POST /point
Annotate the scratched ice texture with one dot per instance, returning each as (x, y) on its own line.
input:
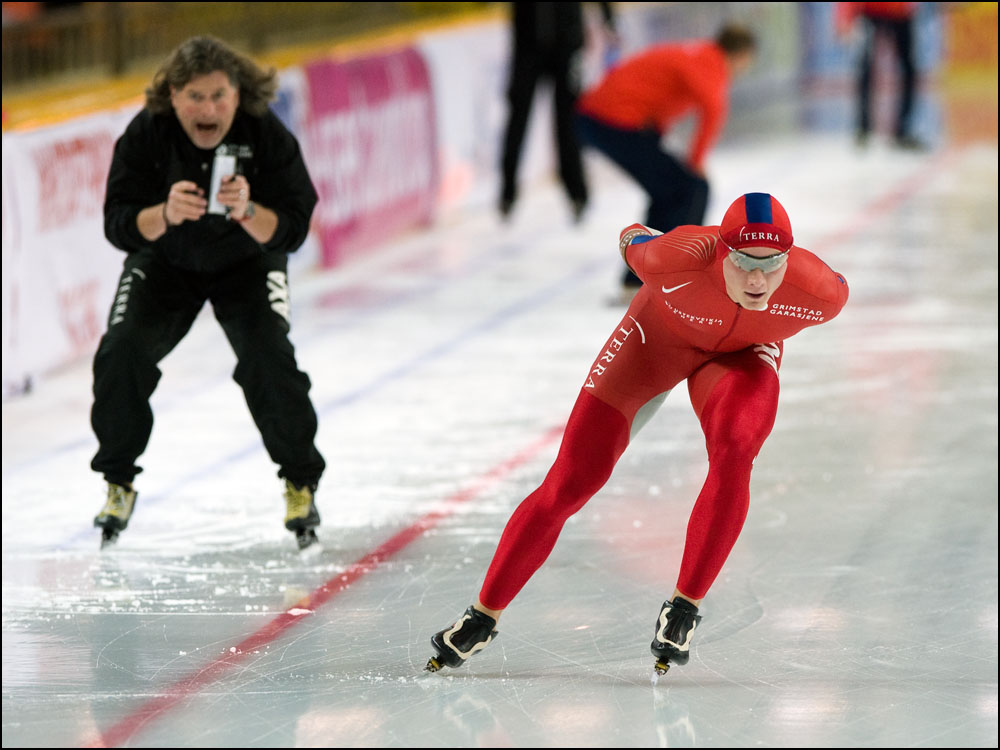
(858, 608)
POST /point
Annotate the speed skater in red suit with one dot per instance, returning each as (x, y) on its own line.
(716, 304)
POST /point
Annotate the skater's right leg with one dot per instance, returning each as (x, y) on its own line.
(251, 305)
(595, 438)
(152, 311)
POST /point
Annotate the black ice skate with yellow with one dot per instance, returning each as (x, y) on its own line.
(674, 628)
(472, 633)
(117, 510)
(301, 516)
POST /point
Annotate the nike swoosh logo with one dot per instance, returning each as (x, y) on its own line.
(675, 288)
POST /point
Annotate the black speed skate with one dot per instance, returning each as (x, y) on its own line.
(114, 516)
(472, 633)
(674, 628)
(301, 516)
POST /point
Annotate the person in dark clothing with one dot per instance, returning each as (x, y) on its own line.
(547, 42)
(893, 22)
(207, 194)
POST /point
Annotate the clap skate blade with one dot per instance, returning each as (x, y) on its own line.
(441, 660)
(108, 536)
(306, 538)
(661, 667)
(433, 665)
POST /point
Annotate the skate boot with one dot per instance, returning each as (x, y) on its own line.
(301, 516)
(674, 628)
(117, 510)
(472, 633)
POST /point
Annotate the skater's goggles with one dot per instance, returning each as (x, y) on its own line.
(767, 264)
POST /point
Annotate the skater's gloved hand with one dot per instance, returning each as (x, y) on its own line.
(632, 234)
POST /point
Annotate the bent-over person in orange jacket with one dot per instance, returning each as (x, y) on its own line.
(626, 115)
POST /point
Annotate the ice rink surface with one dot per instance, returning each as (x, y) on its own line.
(858, 608)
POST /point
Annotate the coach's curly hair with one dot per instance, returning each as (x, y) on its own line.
(202, 55)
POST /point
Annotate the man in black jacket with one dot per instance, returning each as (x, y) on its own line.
(207, 194)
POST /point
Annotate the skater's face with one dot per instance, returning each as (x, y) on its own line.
(206, 107)
(753, 288)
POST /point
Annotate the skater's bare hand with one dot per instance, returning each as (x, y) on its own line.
(185, 202)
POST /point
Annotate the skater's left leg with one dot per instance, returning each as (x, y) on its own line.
(566, 80)
(863, 81)
(252, 306)
(736, 399)
(901, 33)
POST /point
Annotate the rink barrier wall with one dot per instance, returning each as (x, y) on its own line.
(395, 138)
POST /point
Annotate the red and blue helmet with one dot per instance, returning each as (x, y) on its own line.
(756, 220)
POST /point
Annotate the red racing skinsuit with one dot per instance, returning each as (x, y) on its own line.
(681, 325)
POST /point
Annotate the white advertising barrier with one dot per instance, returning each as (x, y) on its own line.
(12, 369)
(469, 68)
(59, 273)
(470, 105)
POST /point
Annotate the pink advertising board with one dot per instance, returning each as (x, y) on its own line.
(369, 139)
